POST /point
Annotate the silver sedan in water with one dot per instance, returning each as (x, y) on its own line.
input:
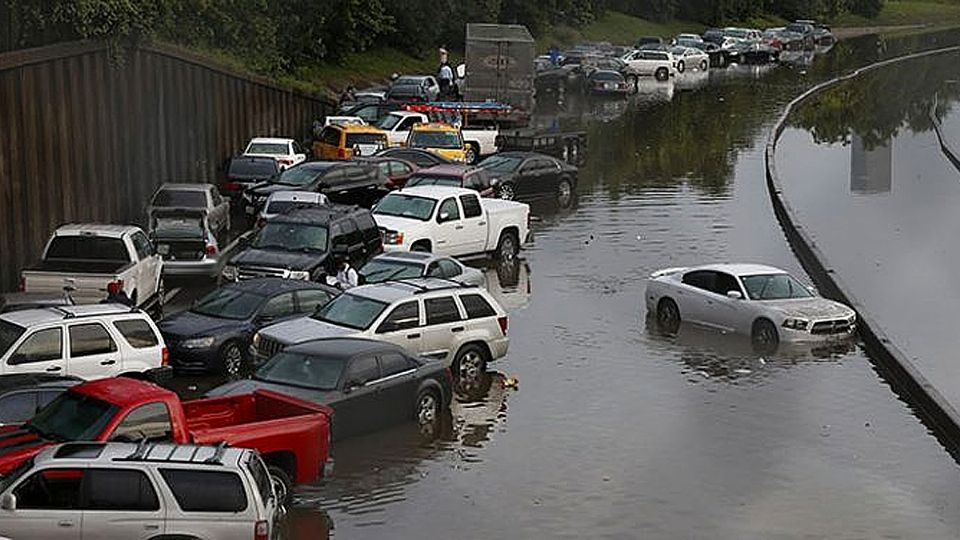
(415, 264)
(763, 302)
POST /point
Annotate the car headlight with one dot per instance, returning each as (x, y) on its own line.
(393, 238)
(197, 343)
(230, 272)
(256, 340)
(796, 324)
(299, 274)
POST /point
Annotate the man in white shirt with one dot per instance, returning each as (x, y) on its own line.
(347, 277)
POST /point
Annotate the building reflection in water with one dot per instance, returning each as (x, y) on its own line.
(871, 169)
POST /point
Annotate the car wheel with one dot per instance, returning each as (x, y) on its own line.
(231, 360)
(422, 247)
(428, 413)
(668, 315)
(662, 74)
(681, 66)
(765, 336)
(509, 246)
(704, 65)
(470, 363)
(564, 192)
(508, 192)
(472, 155)
(282, 484)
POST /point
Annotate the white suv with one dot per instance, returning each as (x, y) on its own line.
(146, 491)
(461, 325)
(90, 341)
(657, 62)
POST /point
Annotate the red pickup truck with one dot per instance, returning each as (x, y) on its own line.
(292, 435)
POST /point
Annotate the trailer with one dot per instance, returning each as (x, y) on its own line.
(500, 65)
(570, 146)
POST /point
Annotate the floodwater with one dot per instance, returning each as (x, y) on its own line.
(616, 431)
(882, 180)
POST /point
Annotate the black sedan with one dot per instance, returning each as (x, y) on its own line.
(419, 157)
(528, 175)
(606, 82)
(22, 395)
(344, 182)
(215, 334)
(369, 384)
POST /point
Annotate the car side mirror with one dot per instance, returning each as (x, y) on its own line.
(443, 217)
(8, 502)
(813, 290)
(736, 295)
(350, 386)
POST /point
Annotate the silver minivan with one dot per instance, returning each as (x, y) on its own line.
(146, 491)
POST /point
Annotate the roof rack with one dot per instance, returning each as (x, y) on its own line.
(145, 450)
(421, 289)
(67, 314)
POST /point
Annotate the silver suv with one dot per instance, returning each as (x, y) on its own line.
(145, 491)
(459, 324)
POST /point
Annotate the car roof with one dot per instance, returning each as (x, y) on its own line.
(417, 256)
(435, 192)
(317, 165)
(447, 169)
(392, 291)
(317, 214)
(184, 186)
(342, 348)
(20, 381)
(123, 390)
(276, 140)
(741, 269)
(269, 286)
(357, 128)
(305, 196)
(434, 126)
(95, 228)
(163, 454)
(31, 317)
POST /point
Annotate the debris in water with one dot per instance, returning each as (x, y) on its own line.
(511, 382)
(742, 371)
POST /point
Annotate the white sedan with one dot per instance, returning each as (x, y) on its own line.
(688, 57)
(763, 302)
(287, 152)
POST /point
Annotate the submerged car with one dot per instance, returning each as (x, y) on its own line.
(415, 264)
(760, 301)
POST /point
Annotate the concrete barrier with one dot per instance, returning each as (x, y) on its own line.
(946, 146)
(940, 416)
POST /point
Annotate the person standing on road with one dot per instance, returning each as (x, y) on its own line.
(116, 295)
(445, 76)
(347, 277)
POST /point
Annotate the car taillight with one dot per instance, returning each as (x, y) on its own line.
(211, 249)
(285, 161)
(232, 186)
(164, 356)
(118, 284)
(261, 531)
(342, 153)
(503, 324)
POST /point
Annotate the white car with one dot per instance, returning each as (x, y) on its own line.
(763, 302)
(281, 202)
(139, 492)
(656, 62)
(89, 342)
(287, 152)
(688, 37)
(688, 57)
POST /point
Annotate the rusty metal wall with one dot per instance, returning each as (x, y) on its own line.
(85, 138)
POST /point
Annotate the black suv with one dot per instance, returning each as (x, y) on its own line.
(299, 244)
(345, 182)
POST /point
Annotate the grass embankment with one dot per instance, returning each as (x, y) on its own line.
(908, 12)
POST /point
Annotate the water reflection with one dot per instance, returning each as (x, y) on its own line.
(871, 169)
(509, 283)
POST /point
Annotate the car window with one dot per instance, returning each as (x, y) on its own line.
(119, 490)
(137, 333)
(471, 206)
(400, 168)
(46, 396)
(18, 407)
(206, 491)
(701, 279)
(476, 306)
(477, 181)
(393, 363)
(363, 370)
(351, 232)
(279, 306)
(150, 421)
(449, 207)
(142, 244)
(368, 227)
(217, 198)
(449, 268)
(297, 149)
(42, 346)
(310, 300)
(403, 317)
(260, 477)
(330, 135)
(441, 310)
(50, 489)
(725, 283)
(89, 340)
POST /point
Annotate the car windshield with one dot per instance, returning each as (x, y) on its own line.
(302, 370)
(186, 198)
(435, 139)
(279, 207)
(228, 303)
(9, 334)
(350, 310)
(380, 270)
(424, 180)
(504, 164)
(292, 237)
(270, 149)
(72, 417)
(774, 287)
(297, 176)
(407, 206)
(739, 34)
(252, 168)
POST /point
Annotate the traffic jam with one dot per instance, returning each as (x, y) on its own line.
(319, 291)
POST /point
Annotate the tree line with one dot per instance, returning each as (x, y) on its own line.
(276, 36)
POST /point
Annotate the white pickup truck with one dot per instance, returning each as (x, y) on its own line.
(87, 258)
(479, 142)
(451, 221)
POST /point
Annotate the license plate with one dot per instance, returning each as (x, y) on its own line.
(250, 210)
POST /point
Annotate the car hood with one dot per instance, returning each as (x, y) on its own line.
(811, 308)
(275, 258)
(188, 324)
(248, 386)
(264, 189)
(304, 329)
(395, 223)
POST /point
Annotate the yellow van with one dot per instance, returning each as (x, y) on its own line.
(442, 139)
(346, 141)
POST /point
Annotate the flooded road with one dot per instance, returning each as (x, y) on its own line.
(615, 431)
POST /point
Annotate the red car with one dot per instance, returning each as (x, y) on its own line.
(397, 171)
(463, 176)
(292, 435)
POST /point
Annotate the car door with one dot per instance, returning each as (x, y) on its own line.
(359, 411)
(93, 351)
(41, 351)
(221, 211)
(48, 506)
(398, 384)
(691, 295)
(731, 314)
(401, 327)
(277, 309)
(150, 421)
(473, 235)
(443, 324)
(148, 269)
(448, 234)
(120, 503)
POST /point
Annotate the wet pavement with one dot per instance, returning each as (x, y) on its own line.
(883, 181)
(616, 431)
